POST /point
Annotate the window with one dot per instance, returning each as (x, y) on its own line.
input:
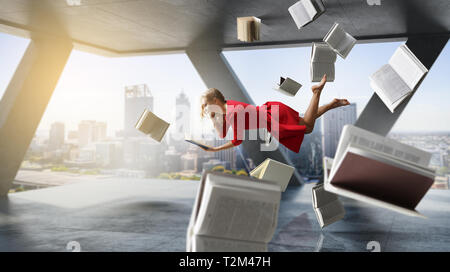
(82, 137)
(259, 71)
(425, 122)
(12, 49)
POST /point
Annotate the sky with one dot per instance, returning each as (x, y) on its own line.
(92, 87)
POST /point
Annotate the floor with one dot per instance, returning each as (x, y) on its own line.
(152, 215)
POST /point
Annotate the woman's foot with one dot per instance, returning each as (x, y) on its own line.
(317, 89)
(336, 103)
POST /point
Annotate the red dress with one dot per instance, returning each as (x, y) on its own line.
(274, 115)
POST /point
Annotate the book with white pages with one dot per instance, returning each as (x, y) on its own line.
(339, 40)
(234, 208)
(326, 205)
(248, 28)
(398, 79)
(304, 12)
(322, 62)
(151, 125)
(288, 86)
(379, 171)
(274, 171)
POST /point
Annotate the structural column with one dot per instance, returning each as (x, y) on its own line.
(376, 117)
(26, 99)
(216, 72)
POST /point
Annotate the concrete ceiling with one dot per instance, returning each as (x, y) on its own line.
(146, 26)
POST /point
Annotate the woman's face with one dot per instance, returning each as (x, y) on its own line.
(213, 107)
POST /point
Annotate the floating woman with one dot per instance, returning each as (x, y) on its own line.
(290, 128)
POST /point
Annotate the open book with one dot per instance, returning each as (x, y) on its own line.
(275, 171)
(322, 62)
(305, 11)
(339, 40)
(152, 125)
(398, 79)
(288, 86)
(380, 171)
(197, 143)
(248, 28)
(235, 213)
(326, 205)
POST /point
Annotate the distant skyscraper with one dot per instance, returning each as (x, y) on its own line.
(332, 123)
(183, 114)
(99, 131)
(56, 137)
(90, 131)
(137, 98)
(228, 155)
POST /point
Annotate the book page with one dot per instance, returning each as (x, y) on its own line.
(299, 14)
(310, 8)
(321, 52)
(390, 83)
(318, 69)
(335, 36)
(291, 86)
(202, 243)
(365, 139)
(406, 66)
(239, 214)
(339, 40)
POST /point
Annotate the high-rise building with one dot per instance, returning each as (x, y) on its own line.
(137, 98)
(56, 136)
(90, 131)
(183, 115)
(99, 131)
(332, 123)
(227, 155)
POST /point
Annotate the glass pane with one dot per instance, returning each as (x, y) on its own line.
(425, 122)
(12, 49)
(83, 134)
(260, 70)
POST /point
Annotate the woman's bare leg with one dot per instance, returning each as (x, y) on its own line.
(314, 111)
(310, 115)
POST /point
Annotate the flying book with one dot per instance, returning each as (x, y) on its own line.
(339, 40)
(380, 171)
(305, 11)
(288, 86)
(327, 206)
(152, 125)
(248, 28)
(274, 171)
(398, 79)
(233, 213)
(322, 62)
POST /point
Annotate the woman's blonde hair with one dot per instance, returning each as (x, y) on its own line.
(208, 96)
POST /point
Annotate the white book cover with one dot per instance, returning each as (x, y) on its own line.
(274, 171)
(322, 62)
(150, 124)
(339, 40)
(234, 208)
(248, 28)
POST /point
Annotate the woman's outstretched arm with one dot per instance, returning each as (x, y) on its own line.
(219, 148)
